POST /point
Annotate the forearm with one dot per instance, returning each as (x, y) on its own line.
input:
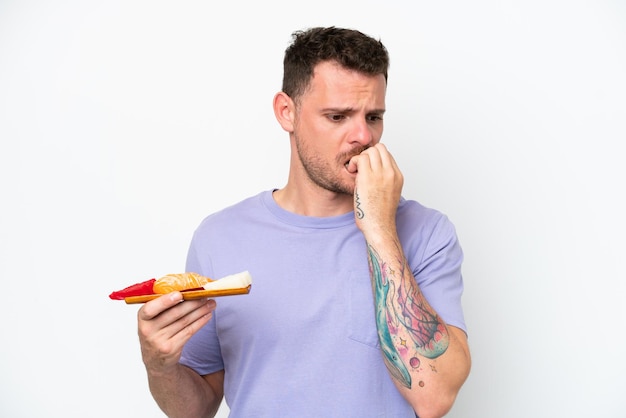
(427, 359)
(183, 393)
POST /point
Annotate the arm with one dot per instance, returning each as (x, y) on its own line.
(427, 359)
(164, 326)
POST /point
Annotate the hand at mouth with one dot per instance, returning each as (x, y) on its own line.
(351, 166)
(350, 163)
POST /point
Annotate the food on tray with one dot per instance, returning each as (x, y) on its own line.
(179, 281)
(183, 282)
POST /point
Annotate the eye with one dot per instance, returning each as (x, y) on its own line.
(374, 118)
(336, 117)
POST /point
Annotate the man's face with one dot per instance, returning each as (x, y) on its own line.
(339, 116)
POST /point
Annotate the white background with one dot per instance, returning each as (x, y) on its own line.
(124, 122)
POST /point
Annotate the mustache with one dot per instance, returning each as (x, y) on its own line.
(346, 156)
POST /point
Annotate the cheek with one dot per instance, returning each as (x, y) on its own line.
(377, 133)
(320, 138)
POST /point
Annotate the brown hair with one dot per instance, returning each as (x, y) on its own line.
(349, 48)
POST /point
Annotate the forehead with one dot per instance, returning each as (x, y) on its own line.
(331, 79)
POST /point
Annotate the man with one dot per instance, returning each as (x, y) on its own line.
(312, 339)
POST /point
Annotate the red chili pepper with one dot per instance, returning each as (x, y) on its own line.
(138, 289)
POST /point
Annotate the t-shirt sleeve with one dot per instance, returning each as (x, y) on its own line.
(202, 352)
(439, 272)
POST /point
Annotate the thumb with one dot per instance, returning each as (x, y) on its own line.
(352, 165)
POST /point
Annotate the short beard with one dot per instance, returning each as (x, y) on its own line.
(323, 175)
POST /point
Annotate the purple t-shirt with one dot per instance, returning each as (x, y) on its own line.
(303, 342)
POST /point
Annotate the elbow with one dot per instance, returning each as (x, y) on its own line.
(440, 404)
(442, 397)
(436, 409)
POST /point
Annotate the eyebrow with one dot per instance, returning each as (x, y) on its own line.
(350, 110)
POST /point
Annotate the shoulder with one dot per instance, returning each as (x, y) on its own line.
(422, 229)
(237, 210)
(413, 215)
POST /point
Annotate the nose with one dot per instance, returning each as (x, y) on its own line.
(361, 132)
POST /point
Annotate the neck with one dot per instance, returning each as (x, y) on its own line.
(312, 200)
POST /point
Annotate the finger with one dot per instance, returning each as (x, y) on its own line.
(180, 316)
(181, 330)
(384, 156)
(365, 161)
(155, 307)
(161, 317)
(353, 164)
(163, 345)
(387, 160)
(173, 327)
(372, 158)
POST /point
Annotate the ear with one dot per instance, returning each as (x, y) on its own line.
(285, 111)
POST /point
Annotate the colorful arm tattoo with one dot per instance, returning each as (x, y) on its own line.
(406, 312)
(384, 322)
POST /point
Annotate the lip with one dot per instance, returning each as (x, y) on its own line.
(349, 156)
(345, 166)
(348, 159)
